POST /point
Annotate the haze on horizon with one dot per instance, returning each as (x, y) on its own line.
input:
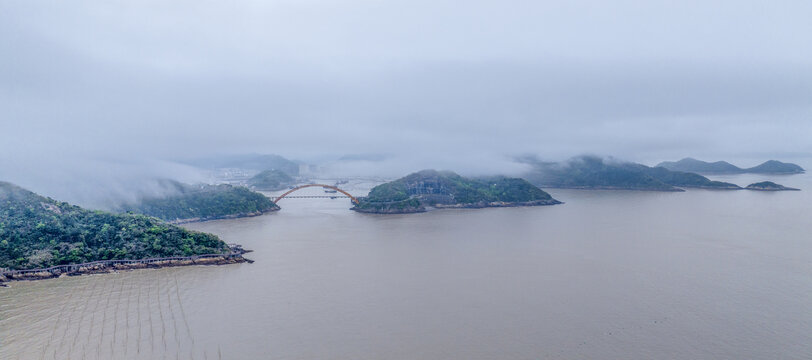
(94, 91)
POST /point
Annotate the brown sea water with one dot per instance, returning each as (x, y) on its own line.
(607, 275)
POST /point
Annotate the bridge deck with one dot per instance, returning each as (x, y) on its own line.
(325, 186)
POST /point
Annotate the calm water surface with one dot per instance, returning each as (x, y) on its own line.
(608, 275)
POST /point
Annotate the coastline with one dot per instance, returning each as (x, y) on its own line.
(223, 217)
(769, 189)
(110, 266)
(476, 205)
(494, 204)
(613, 188)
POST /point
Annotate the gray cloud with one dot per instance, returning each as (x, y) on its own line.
(434, 83)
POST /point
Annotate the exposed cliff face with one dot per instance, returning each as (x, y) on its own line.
(430, 188)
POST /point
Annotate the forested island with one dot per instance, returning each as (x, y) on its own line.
(271, 180)
(769, 186)
(592, 172)
(187, 203)
(39, 232)
(445, 189)
(724, 167)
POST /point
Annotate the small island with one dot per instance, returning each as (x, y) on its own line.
(43, 238)
(271, 180)
(444, 189)
(191, 203)
(769, 186)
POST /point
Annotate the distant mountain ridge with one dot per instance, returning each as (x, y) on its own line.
(257, 162)
(593, 172)
(724, 167)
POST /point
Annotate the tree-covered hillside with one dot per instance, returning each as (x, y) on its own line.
(682, 179)
(37, 232)
(444, 188)
(203, 202)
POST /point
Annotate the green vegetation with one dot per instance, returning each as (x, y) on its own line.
(40, 232)
(204, 202)
(271, 180)
(447, 189)
(723, 167)
(681, 179)
(395, 207)
(591, 172)
(391, 191)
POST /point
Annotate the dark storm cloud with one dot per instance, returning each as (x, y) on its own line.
(433, 83)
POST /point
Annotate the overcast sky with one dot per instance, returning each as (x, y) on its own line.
(441, 83)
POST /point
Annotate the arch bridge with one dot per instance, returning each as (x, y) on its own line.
(280, 197)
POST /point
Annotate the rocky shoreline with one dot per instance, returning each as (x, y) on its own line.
(613, 188)
(477, 205)
(224, 217)
(769, 186)
(101, 268)
(483, 204)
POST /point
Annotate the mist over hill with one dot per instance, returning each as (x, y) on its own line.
(37, 231)
(724, 167)
(594, 172)
(256, 162)
(187, 203)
